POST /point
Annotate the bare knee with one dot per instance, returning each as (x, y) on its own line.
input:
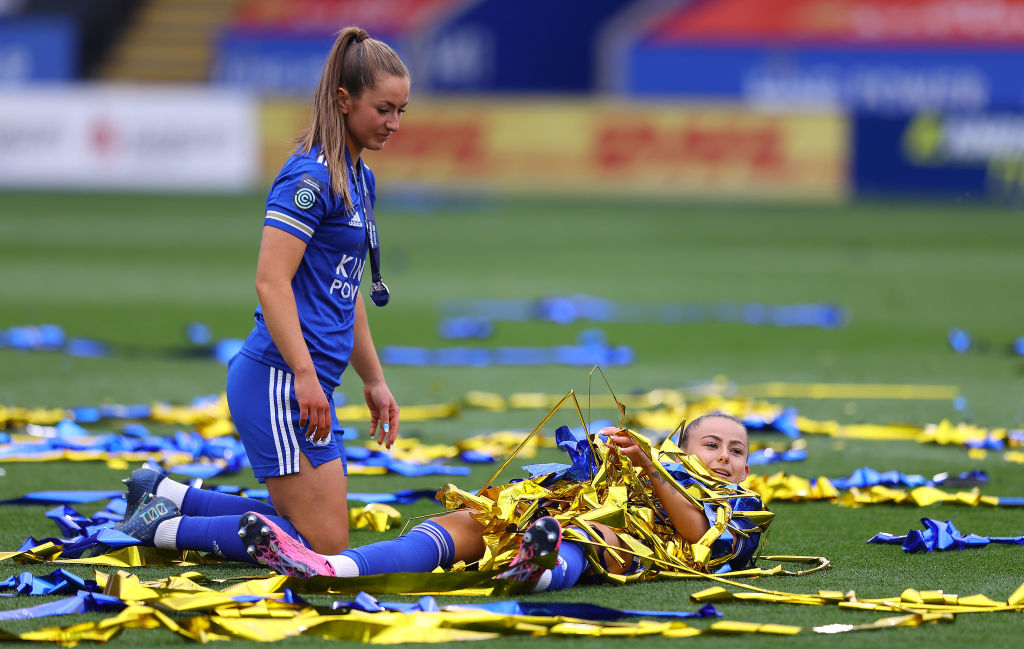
(315, 502)
(616, 566)
(324, 530)
(325, 540)
(467, 534)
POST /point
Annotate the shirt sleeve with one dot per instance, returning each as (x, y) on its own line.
(297, 202)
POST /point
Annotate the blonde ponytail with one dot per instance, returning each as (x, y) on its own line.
(356, 63)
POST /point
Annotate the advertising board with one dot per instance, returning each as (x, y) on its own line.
(127, 138)
(859, 55)
(591, 148)
(964, 155)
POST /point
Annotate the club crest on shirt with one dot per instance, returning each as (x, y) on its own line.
(306, 192)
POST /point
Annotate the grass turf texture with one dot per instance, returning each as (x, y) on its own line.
(133, 270)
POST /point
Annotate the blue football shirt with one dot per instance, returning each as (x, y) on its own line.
(302, 203)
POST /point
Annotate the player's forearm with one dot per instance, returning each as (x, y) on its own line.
(364, 355)
(282, 317)
(688, 521)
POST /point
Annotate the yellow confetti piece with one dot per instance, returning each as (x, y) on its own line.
(923, 602)
(409, 413)
(781, 486)
(779, 390)
(485, 401)
(377, 516)
(362, 469)
(1014, 456)
(878, 432)
(1017, 598)
(726, 626)
(979, 600)
(903, 621)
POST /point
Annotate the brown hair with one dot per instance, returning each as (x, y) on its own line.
(356, 63)
(696, 422)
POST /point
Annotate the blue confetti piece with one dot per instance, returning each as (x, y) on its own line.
(198, 333)
(537, 470)
(83, 602)
(225, 350)
(459, 328)
(204, 471)
(1018, 346)
(86, 348)
(937, 536)
(57, 497)
(959, 340)
(577, 447)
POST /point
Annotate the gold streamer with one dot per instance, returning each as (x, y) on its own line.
(615, 496)
(216, 615)
(910, 600)
(779, 390)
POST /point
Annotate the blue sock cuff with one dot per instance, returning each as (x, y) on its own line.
(444, 541)
(361, 564)
(206, 502)
(425, 547)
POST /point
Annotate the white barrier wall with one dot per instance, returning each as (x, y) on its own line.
(128, 138)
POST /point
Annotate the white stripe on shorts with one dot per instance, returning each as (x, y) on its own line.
(272, 400)
(294, 442)
(282, 430)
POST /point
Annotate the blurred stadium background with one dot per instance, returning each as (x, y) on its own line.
(752, 99)
(863, 153)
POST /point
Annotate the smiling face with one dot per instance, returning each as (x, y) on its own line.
(722, 445)
(373, 116)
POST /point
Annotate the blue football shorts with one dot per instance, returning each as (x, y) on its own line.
(265, 412)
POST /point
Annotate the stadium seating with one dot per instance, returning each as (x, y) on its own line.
(99, 24)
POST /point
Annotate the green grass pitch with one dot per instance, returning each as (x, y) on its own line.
(134, 269)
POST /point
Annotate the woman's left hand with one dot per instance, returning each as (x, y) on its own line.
(383, 411)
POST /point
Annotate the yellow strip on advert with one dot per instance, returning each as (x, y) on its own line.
(587, 147)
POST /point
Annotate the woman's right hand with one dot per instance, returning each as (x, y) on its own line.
(314, 408)
(620, 441)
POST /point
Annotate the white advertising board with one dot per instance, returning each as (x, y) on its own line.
(128, 138)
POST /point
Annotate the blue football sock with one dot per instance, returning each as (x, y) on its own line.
(571, 562)
(425, 547)
(219, 534)
(203, 502)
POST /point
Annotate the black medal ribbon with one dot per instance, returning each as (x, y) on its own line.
(379, 292)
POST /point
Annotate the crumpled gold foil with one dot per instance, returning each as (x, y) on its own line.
(618, 497)
(379, 517)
